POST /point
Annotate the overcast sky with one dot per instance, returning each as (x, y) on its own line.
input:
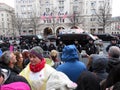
(115, 6)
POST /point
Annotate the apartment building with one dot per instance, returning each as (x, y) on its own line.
(7, 28)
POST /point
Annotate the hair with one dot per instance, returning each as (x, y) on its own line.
(17, 55)
(114, 52)
(25, 54)
(5, 58)
(0, 72)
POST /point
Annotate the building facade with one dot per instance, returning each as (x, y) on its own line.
(7, 28)
(50, 16)
(115, 25)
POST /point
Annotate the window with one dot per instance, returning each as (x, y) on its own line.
(93, 11)
(47, 10)
(61, 2)
(93, 3)
(2, 14)
(61, 8)
(2, 19)
(7, 19)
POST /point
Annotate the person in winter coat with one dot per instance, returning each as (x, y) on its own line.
(42, 76)
(99, 68)
(88, 81)
(15, 86)
(6, 77)
(114, 54)
(113, 76)
(72, 66)
(7, 61)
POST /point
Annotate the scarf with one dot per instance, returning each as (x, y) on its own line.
(38, 67)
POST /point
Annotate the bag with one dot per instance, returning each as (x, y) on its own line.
(15, 86)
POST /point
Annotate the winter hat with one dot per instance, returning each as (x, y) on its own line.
(99, 65)
(37, 51)
(69, 53)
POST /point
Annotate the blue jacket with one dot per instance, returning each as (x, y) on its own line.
(72, 67)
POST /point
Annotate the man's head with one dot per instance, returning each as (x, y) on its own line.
(114, 52)
(113, 41)
(8, 58)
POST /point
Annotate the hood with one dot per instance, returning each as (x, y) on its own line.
(6, 73)
(99, 65)
(113, 61)
(70, 53)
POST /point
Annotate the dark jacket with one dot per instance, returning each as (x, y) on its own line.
(9, 77)
(60, 47)
(88, 81)
(90, 49)
(14, 70)
(114, 76)
(99, 68)
(51, 47)
(107, 48)
(112, 62)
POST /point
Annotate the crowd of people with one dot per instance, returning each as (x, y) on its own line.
(34, 69)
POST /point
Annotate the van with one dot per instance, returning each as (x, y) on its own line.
(106, 36)
(28, 38)
(82, 38)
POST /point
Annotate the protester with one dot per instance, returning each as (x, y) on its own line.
(72, 66)
(114, 54)
(99, 68)
(6, 77)
(54, 56)
(7, 61)
(15, 86)
(41, 76)
(20, 63)
(25, 54)
(87, 81)
(113, 76)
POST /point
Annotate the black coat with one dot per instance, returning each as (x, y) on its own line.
(114, 76)
(88, 81)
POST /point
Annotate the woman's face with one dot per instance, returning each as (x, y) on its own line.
(20, 58)
(34, 59)
(1, 79)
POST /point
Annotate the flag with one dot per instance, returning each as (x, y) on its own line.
(72, 17)
(43, 16)
(65, 15)
(50, 16)
(57, 17)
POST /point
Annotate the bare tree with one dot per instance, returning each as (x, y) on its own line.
(103, 14)
(17, 23)
(34, 22)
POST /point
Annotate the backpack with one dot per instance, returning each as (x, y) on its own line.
(15, 86)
